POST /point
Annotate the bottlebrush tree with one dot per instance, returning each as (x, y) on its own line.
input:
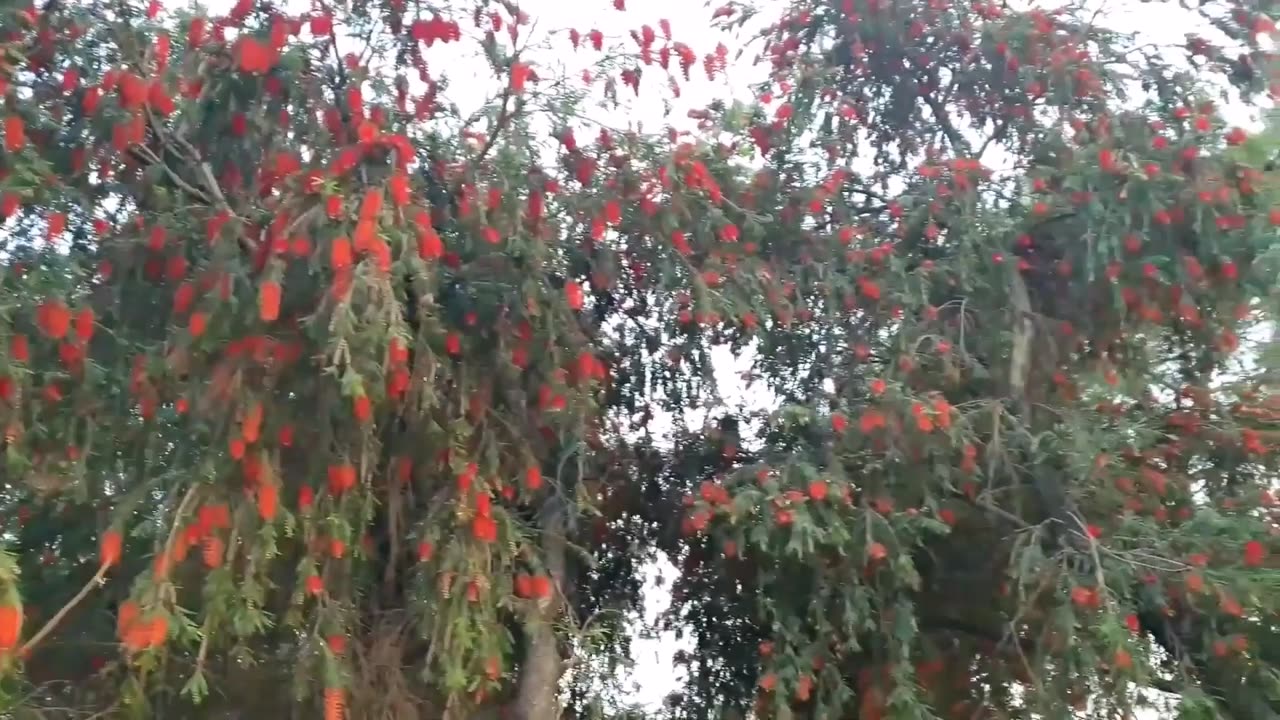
(319, 396)
(1000, 267)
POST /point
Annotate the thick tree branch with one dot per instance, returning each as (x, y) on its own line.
(940, 115)
(537, 694)
(1235, 696)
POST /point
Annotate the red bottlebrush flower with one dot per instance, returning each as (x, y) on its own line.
(335, 704)
(425, 551)
(371, 204)
(269, 301)
(57, 224)
(15, 134)
(84, 325)
(198, 323)
(254, 57)
(540, 587)
(573, 295)
(520, 73)
(340, 253)
(341, 478)
(54, 319)
(268, 497)
(321, 24)
(362, 408)
(1254, 553)
(430, 246)
(196, 33)
(306, 498)
(10, 624)
(484, 529)
(110, 547)
(400, 190)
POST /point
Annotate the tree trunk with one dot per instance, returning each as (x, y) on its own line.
(538, 691)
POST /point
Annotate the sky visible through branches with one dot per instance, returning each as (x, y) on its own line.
(549, 50)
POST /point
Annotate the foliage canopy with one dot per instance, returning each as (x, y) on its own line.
(318, 393)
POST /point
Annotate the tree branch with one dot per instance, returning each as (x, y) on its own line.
(958, 143)
(1235, 697)
(79, 597)
(996, 135)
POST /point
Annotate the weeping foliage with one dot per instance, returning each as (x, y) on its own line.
(323, 395)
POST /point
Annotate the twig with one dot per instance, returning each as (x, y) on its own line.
(203, 653)
(1097, 559)
(58, 616)
(996, 136)
(179, 146)
(206, 171)
(167, 548)
(499, 124)
(149, 157)
(988, 506)
(504, 115)
(177, 516)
